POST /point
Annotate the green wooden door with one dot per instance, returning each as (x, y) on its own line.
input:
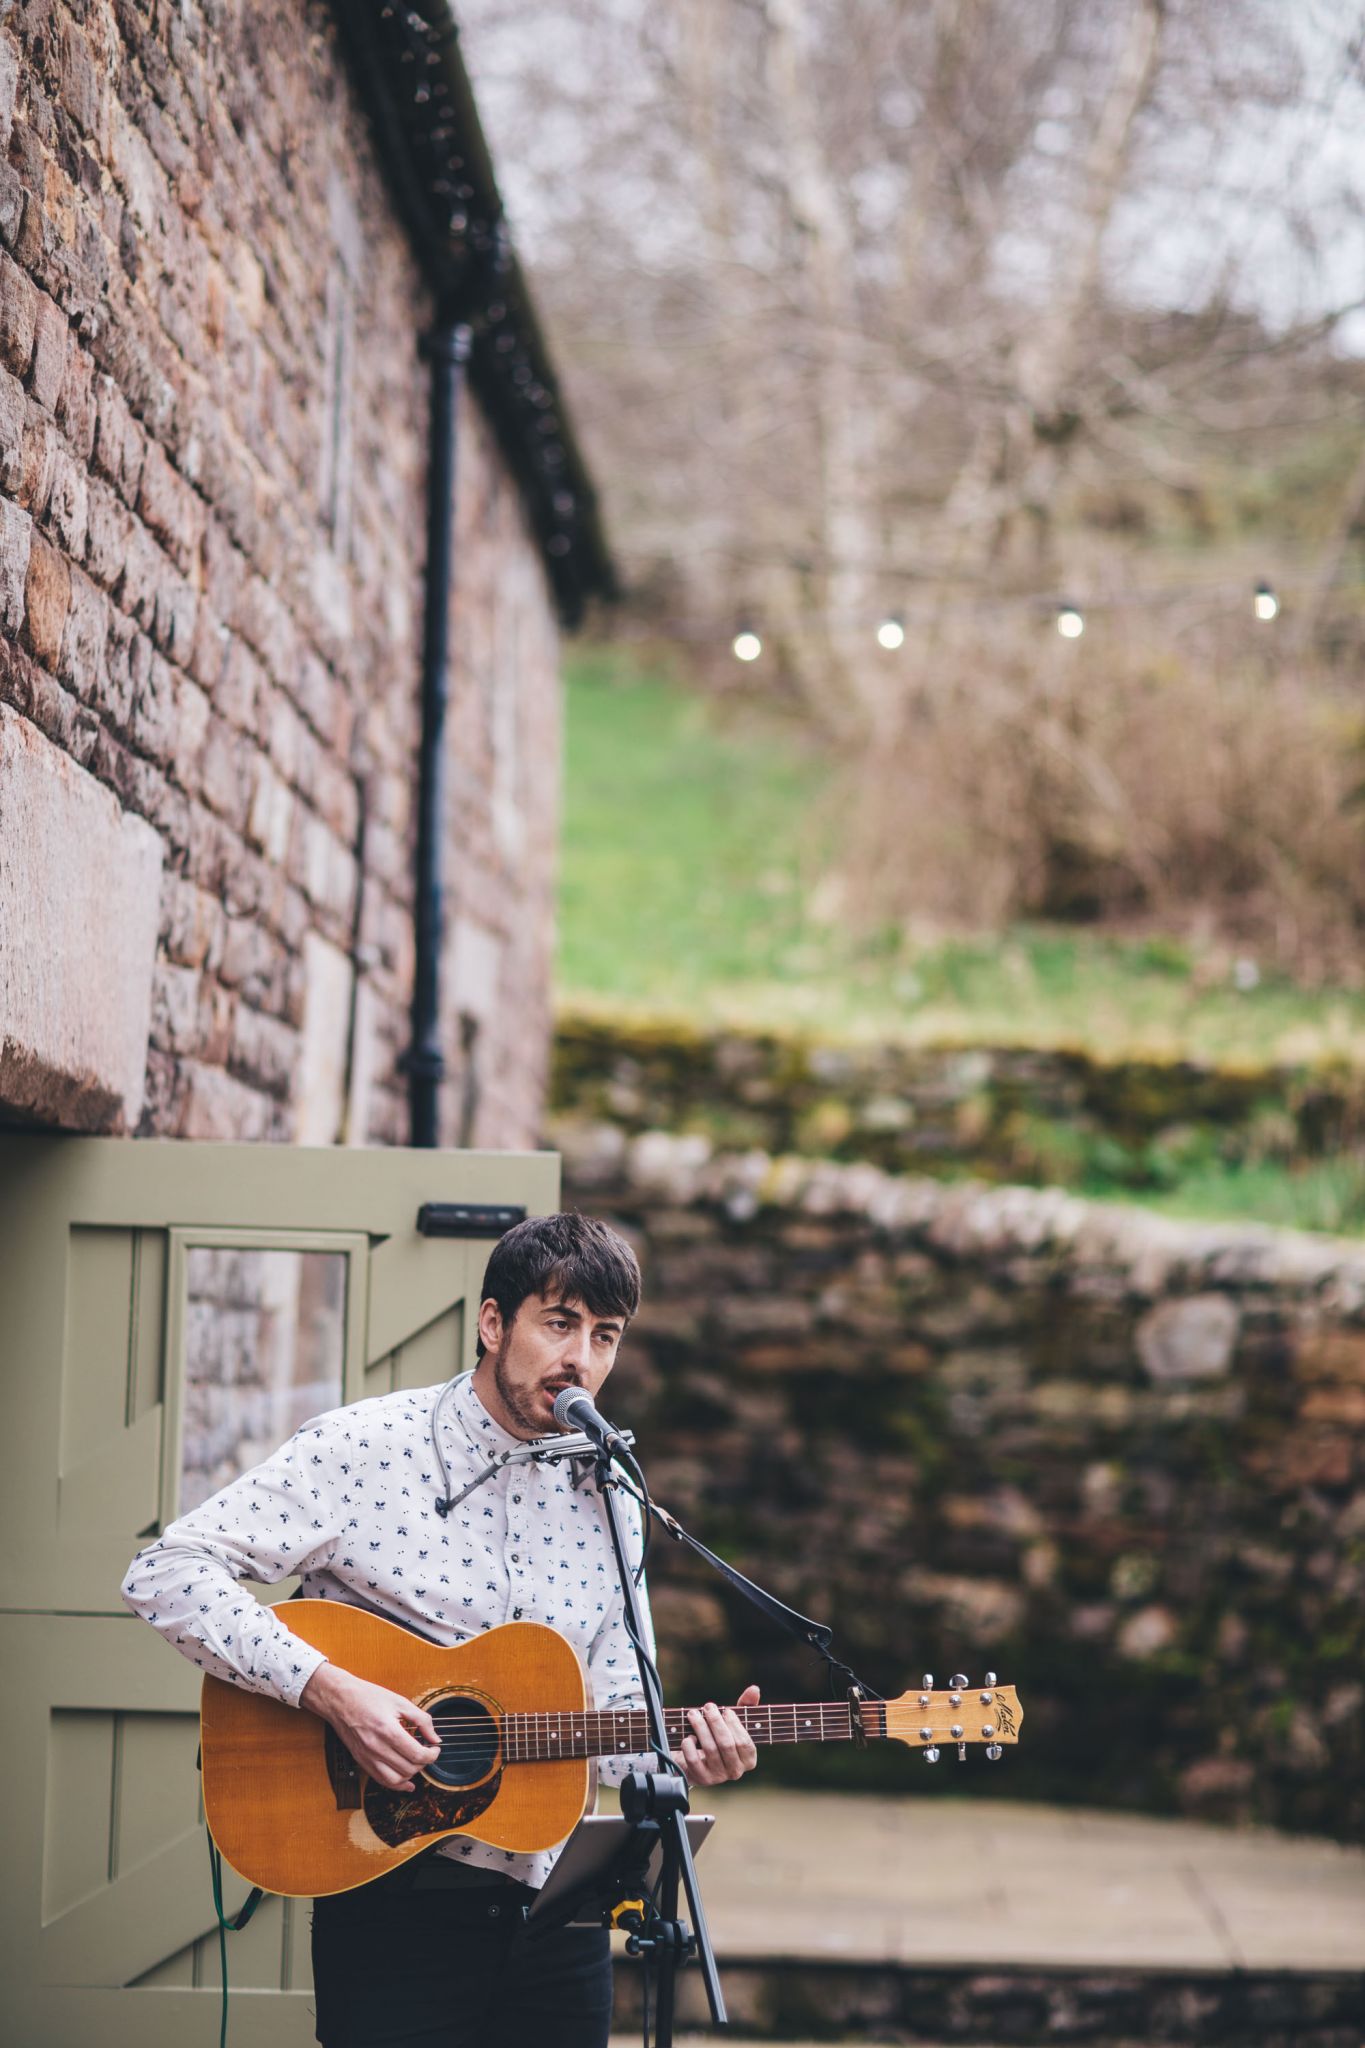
(167, 1314)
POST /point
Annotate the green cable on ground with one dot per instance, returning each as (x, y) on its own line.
(226, 1926)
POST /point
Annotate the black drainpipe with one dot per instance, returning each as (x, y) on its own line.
(424, 1062)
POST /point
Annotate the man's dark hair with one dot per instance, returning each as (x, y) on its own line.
(566, 1257)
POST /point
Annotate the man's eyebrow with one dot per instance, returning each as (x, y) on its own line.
(565, 1308)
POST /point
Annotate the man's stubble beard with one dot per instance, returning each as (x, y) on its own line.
(510, 1398)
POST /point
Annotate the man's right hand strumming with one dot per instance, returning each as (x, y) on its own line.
(388, 1735)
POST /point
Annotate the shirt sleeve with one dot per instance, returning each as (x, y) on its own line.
(612, 1663)
(277, 1520)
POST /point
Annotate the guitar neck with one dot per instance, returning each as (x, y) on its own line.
(541, 1738)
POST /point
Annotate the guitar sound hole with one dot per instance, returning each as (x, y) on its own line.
(469, 1741)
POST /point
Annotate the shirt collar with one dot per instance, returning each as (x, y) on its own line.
(478, 1424)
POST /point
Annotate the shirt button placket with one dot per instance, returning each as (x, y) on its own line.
(515, 1538)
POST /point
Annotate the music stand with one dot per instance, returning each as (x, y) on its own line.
(597, 1867)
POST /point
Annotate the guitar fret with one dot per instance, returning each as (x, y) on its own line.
(543, 1737)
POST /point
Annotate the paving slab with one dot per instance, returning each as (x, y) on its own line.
(828, 1876)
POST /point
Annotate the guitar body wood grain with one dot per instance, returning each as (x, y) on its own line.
(276, 1812)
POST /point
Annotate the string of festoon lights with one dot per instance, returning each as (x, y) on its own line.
(1068, 618)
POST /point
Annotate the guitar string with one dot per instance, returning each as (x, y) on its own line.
(523, 1743)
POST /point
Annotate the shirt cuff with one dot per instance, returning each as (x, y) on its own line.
(303, 1662)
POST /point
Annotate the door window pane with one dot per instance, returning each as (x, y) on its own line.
(264, 1349)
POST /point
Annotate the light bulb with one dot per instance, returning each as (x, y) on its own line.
(1264, 603)
(891, 633)
(747, 645)
(1070, 624)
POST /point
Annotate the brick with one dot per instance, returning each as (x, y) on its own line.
(152, 716)
(162, 805)
(336, 798)
(217, 1106)
(12, 412)
(12, 206)
(224, 570)
(192, 724)
(170, 507)
(47, 600)
(39, 462)
(48, 367)
(144, 567)
(264, 1051)
(107, 535)
(18, 315)
(286, 737)
(173, 617)
(9, 83)
(16, 536)
(124, 666)
(192, 924)
(217, 1013)
(81, 662)
(209, 654)
(79, 84)
(1331, 1355)
(76, 402)
(241, 687)
(250, 957)
(175, 1008)
(271, 813)
(1344, 1405)
(68, 504)
(224, 775)
(120, 444)
(214, 849)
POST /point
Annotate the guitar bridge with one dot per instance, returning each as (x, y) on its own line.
(342, 1769)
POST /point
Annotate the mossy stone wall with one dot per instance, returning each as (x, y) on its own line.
(1118, 1459)
(1001, 1113)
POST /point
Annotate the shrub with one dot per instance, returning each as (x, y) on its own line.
(1123, 782)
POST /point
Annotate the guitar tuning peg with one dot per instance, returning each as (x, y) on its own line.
(928, 1681)
(994, 1752)
(962, 1752)
(930, 1755)
(958, 1682)
(989, 1679)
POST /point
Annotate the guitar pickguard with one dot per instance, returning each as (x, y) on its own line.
(399, 1817)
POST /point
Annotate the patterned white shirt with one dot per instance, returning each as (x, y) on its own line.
(349, 1505)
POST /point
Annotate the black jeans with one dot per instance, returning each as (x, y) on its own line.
(395, 1963)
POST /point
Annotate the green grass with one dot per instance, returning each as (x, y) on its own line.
(696, 873)
(1323, 1195)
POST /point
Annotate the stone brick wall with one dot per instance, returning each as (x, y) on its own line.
(212, 458)
(1118, 1459)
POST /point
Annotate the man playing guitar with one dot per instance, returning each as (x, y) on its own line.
(388, 1505)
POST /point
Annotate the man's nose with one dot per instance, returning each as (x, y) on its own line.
(578, 1351)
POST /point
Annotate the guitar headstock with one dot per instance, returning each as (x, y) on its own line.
(956, 1714)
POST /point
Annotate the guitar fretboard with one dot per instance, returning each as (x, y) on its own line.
(540, 1738)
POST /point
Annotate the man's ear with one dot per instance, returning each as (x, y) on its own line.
(490, 1324)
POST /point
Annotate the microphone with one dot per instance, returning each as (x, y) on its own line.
(574, 1410)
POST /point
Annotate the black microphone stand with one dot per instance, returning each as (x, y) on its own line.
(655, 1803)
(652, 1800)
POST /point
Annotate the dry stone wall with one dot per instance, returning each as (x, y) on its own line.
(1118, 1459)
(1000, 1112)
(212, 463)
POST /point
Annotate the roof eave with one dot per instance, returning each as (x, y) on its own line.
(408, 69)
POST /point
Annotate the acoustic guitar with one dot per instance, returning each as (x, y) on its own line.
(293, 1812)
